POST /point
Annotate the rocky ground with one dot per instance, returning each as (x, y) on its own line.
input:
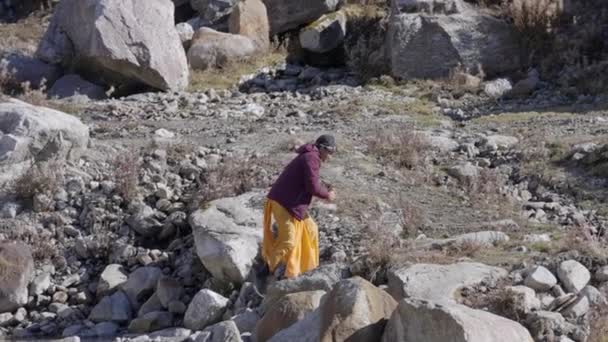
(479, 204)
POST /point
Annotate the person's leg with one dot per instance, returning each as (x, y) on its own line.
(286, 241)
(310, 245)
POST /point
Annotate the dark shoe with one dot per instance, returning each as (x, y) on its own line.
(279, 272)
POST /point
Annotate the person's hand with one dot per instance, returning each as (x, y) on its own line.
(332, 195)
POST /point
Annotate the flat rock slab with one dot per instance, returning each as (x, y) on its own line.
(439, 282)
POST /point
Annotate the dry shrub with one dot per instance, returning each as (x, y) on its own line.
(381, 244)
(504, 302)
(598, 324)
(44, 177)
(467, 248)
(581, 239)
(127, 167)
(233, 177)
(534, 21)
(404, 147)
(412, 217)
(364, 43)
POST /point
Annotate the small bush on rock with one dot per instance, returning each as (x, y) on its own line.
(41, 178)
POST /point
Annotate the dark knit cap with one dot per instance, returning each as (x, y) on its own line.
(326, 141)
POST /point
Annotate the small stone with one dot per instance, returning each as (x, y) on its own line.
(601, 274)
(73, 279)
(20, 315)
(113, 276)
(578, 308)
(525, 298)
(60, 297)
(5, 319)
(40, 284)
(106, 329)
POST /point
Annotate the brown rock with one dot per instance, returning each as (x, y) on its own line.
(250, 19)
(212, 48)
(287, 311)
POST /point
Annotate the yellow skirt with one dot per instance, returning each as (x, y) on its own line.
(296, 244)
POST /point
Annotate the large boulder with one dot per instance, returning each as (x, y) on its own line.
(211, 49)
(227, 236)
(16, 272)
(114, 308)
(287, 311)
(285, 15)
(32, 133)
(73, 85)
(140, 285)
(325, 34)
(416, 320)
(439, 282)
(250, 19)
(128, 42)
(573, 275)
(355, 310)
(226, 331)
(24, 69)
(429, 39)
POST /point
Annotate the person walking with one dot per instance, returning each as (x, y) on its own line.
(292, 247)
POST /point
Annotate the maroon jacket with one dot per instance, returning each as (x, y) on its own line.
(299, 182)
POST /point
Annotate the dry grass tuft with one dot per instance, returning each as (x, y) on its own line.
(412, 217)
(405, 148)
(229, 75)
(41, 178)
(598, 319)
(127, 167)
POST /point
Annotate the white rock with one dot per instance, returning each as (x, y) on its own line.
(578, 308)
(573, 275)
(540, 279)
(112, 276)
(40, 284)
(17, 272)
(497, 88)
(594, 296)
(126, 41)
(227, 235)
(206, 308)
(535, 238)
(417, 321)
(38, 133)
(439, 282)
(164, 134)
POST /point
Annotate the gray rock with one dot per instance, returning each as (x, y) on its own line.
(151, 305)
(207, 307)
(246, 320)
(249, 18)
(31, 70)
(439, 282)
(168, 290)
(106, 329)
(16, 272)
(177, 307)
(594, 296)
(541, 321)
(428, 6)
(322, 278)
(74, 85)
(40, 284)
(578, 308)
(171, 334)
(284, 15)
(524, 298)
(73, 330)
(418, 320)
(141, 284)
(540, 279)
(466, 173)
(152, 321)
(221, 332)
(37, 133)
(10, 210)
(185, 32)
(227, 235)
(213, 12)
(471, 39)
(123, 42)
(573, 275)
(485, 238)
(144, 221)
(499, 142)
(601, 274)
(211, 49)
(112, 277)
(114, 308)
(325, 34)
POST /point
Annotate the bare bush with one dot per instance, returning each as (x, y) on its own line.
(404, 147)
(534, 20)
(127, 167)
(412, 217)
(40, 178)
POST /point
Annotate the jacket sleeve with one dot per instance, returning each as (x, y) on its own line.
(311, 172)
